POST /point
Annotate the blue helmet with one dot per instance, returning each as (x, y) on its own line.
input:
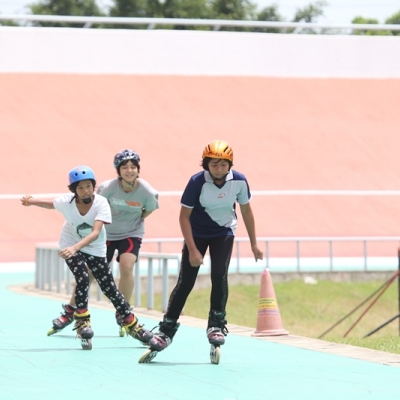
(125, 155)
(80, 173)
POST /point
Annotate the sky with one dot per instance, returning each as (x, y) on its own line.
(336, 12)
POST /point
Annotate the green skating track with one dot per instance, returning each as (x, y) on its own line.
(35, 366)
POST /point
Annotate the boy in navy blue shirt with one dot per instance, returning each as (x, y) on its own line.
(208, 220)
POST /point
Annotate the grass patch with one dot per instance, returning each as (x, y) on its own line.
(309, 310)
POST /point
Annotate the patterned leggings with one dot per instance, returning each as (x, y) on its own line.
(102, 273)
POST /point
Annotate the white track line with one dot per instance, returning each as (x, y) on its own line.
(253, 192)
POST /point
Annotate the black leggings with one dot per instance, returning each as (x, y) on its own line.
(102, 273)
(220, 249)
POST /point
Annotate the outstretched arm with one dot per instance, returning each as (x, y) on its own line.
(248, 218)
(28, 200)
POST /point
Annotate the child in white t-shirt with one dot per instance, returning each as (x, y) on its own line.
(83, 247)
(132, 199)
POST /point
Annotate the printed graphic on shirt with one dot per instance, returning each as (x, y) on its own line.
(83, 230)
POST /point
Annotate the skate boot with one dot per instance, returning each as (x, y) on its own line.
(161, 340)
(131, 326)
(83, 328)
(64, 320)
(120, 321)
(216, 333)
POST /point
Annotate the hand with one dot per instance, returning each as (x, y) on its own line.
(195, 258)
(258, 254)
(66, 253)
(25, 200)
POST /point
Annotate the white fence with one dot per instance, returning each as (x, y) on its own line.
(215, 24)
(238, 261)
(52, 274)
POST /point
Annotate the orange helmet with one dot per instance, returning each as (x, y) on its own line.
(218, 149)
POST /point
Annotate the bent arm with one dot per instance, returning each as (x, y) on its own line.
(145, 213)
(91, 237)
(195, 257)
(68, 252)
(186, 228)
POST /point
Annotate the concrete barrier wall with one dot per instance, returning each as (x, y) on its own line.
(167, 52)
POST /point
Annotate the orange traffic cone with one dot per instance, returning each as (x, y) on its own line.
(269, 321)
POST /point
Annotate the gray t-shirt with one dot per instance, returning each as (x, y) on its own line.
(127, 208)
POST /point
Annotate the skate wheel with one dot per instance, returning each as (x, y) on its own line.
(86, 344)
(215, 354)
(122, 332)
(52, 331)
(147, 356)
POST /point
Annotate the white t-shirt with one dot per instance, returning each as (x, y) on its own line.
(77, 226)
(127, 208)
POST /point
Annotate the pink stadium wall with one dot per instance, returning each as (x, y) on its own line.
(287, 133)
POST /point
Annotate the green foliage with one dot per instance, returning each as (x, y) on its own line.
(129, 8)
(8, 23)
(395, 20)
(233, 9)
(269, 14)
(64, 7)
(362, 20)
(310, 13)
(390, 344)
(244, 10)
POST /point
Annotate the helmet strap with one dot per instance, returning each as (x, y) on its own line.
(129, 183)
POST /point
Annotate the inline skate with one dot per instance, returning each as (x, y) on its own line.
(64, 320)
(216, 332)
(160, 340)
(83, 329)
(131, 327)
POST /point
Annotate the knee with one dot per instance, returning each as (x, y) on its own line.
(83, 280)
(126, 269)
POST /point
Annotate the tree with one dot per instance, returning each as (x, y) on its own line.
(161, 9)
(238, 10)
(310, 13)
(362, 20)
(64, 7)
(128, 8)
(269, 13)
(394, 19)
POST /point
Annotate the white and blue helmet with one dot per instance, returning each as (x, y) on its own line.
(125, 155)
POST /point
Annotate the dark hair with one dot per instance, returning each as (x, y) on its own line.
(206, 161)
(72, 187)
(134, 162)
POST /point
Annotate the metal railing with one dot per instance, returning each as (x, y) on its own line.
(53, 274)
(51, 268)
(215, 24)
(265, 244)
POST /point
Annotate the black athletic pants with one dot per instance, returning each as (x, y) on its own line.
(220, 249)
